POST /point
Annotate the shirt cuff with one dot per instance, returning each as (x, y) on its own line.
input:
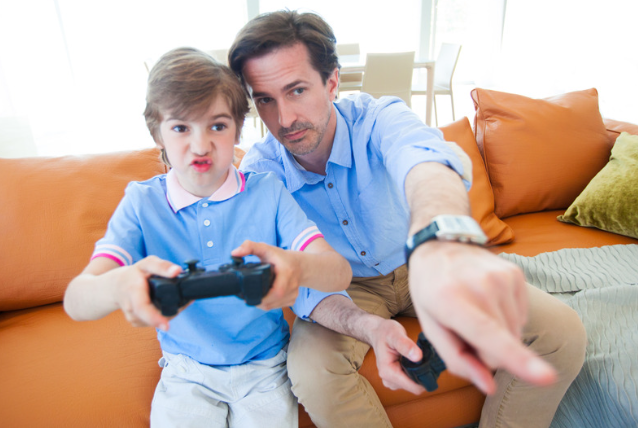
(308, 299)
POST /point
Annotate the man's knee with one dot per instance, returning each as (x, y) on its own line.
(318, 356)
(564, 340)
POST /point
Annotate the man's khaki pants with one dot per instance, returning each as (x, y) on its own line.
(323, 365)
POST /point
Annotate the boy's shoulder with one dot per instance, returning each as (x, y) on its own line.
(153, 185)
(262, 179)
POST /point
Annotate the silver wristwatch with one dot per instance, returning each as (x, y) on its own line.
(460, 228)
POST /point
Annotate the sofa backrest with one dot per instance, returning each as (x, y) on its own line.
(52, 212)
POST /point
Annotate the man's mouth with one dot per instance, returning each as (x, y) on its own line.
(296, 135)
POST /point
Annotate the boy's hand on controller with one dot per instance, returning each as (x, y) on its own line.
(132, 293)
(286, 268)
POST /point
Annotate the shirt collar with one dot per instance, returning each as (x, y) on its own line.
(179, 198)
(341, 154)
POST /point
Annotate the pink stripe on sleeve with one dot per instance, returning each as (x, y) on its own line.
(108, 256)
(309, 240)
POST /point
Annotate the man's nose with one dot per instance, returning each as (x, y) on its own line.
(287, 115)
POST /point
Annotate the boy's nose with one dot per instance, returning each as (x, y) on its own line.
(201, 144)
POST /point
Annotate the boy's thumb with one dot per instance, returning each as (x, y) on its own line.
(243, 250)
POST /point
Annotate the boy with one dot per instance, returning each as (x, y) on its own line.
(224, 362)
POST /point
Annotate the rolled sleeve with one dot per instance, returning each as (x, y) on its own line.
(404, 142)
(308, 299)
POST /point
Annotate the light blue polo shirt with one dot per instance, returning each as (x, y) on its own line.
(158, 217)
(360, 204)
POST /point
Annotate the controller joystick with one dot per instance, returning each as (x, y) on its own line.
(248, 281)
(427, 371)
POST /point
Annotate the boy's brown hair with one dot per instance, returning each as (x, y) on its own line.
(185, 81)
(284, 28)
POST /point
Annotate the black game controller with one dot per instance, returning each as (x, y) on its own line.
(249, 281)
(426, 371)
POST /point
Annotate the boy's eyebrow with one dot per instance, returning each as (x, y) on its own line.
(215, 117)
(288, 87)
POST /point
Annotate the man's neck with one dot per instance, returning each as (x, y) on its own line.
(317, 160)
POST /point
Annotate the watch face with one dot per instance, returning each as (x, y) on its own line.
(459, 228)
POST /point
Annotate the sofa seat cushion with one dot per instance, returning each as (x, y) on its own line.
(541, 232)
(59, 372)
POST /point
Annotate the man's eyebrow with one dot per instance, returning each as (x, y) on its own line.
(288, 87)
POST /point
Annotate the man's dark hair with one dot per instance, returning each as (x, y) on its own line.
(284, 28)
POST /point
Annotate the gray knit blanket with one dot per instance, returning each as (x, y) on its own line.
(601, 284)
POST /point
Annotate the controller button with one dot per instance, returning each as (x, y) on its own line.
(209, 244)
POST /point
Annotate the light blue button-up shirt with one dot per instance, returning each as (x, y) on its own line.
(360, 204)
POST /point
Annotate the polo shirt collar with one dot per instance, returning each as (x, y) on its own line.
(179, 198)
(341, 154)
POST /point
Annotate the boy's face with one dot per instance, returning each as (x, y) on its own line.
(292, 99)
(200, 149)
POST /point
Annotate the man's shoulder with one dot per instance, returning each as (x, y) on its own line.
(264, 156)
(362, 106)
(262, 180)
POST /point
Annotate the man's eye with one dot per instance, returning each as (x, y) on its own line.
(298, 91)
(179, 128)
(218, 127)
(264, 100)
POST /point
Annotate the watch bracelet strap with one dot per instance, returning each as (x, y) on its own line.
(431, 230)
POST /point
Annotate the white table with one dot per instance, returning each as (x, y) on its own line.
(352, 64)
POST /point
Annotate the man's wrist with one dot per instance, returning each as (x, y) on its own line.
(451, 228)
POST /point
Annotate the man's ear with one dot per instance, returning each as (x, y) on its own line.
(333, 84)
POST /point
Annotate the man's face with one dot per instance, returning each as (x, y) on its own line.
(291, 98)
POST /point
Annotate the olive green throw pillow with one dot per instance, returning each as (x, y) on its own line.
(610, 200)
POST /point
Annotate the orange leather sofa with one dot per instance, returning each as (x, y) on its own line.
(56, 372)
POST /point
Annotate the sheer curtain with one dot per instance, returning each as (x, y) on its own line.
(555, 46)
(73, 81)
(72, 75)
(376, 27)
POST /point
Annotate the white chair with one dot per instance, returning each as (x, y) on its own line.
(349, 52)
(443, 73)
(389, 74)
(221, 55)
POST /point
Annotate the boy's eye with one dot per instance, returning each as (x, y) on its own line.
(179, 128)
(218, 127)
(298, 91)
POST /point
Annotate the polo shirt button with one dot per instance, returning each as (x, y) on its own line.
(330, 185)
(205, 204)
(206, 222)
(363, 253)
(345, 222)
(209, 244)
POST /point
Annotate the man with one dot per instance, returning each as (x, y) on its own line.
(370, 174)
